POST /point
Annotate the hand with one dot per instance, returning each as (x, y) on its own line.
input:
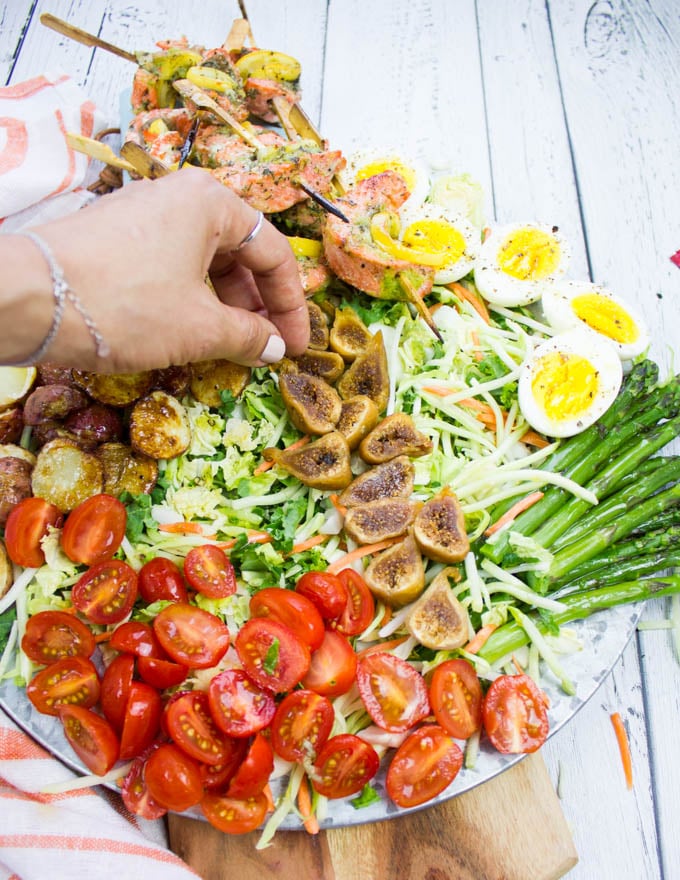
(138, 259)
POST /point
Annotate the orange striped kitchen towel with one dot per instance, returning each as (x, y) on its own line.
(75, 835)
(36, 162)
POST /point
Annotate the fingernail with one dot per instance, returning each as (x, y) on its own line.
(274, 350)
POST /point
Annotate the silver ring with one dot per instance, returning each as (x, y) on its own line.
(253, 232)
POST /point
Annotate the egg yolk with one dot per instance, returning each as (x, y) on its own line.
(381, 165)
(605, 316)
(435, 236)
(529, 254)
(564, 385)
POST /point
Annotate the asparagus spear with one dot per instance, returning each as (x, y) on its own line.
(646, 565)
(511, 636)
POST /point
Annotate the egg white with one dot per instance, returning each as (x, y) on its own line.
(501, 288)
(388, 159)
(457, 265)
(575, 343)
(558, 308)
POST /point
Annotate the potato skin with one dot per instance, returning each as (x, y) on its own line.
(126, 470)
(208, 378)
(159, 426)
(15, 484)
(66, 474)
(52, 402)
(11, 425)
(95, 424)
(115, 389)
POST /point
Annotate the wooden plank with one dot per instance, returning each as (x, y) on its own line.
(14, 20)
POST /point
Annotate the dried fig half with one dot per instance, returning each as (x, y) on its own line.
(395, 435)
(313, 406)
(439, 529)
(358, 416)
(326, 365)
(368, 374)
(394, 479)
(378, 520)
(318, 327)
(438, 620)
(397, 575)
(349, 336)
(322, 464)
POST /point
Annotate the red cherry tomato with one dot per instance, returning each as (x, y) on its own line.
(191, 726)
(344, 765)
(302, 724)
(91, 737)
(53, 635)
(515, 714)
(72, 681)
(360, 608)
(324, 590)
(173, 778)
(106, 592)
(115, 690)
(191, 636)
(291, 609)
(210, 572)
(253, 773)
(135, 637)
(233, 815)
(94, 530)
(161, 673)
(216, 777)
(26, 526)
(142, 720)
(239, 707)
(456, 698)
(161, 579)
(271, 654)
(333, 667)
(424, 765)
(135, 793)
(393, 692)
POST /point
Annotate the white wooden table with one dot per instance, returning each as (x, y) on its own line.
(567, 111)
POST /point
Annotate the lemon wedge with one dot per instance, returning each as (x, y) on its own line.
(15, 383)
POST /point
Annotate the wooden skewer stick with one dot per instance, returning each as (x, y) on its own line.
(416, 301)
(80, 36)
(240, 32)
(205, 102)
(142, 162)
(96, 150)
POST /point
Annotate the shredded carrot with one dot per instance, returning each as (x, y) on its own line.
(267, 792)
(522, 505)
(534, 439)
(298, 444)
(103, 637)
(335, 501)
(480, 638)
(478, 353)
(438, 390)
(263, 467)
(473, 298)
(486, 232)
(314, 541)
(184, 528)
(359, 553)
(387, 616)
(254, 537)
(70, 610)
(518, 666)
(304, 800)
(624, 748)
(382, 646)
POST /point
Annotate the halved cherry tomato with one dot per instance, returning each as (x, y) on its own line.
(209, 571)
(393, 692)
(135, 637)
(173, 778)
(72, 681)
(424, 765)
(216, 777)
(254, 771)
(233, 815)
(293, 610)
(191, 636)
(191, 726)
(333, 667)
(324, 590)
(106, 592)
(115, 689)
(344, 765)
(26, 526)
(135, 793)
(91, 737)
(52, 635)
(515, 714)
(161, 579)
(239, 706)
(160, 673)
(271, 654)
(456, 698)
(360, 607)
(302, 724)
(94, 530)
(142, 720)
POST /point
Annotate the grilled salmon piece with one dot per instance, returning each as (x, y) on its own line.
(259, 93)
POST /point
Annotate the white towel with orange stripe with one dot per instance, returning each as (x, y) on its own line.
(38, 169)
(78, 835)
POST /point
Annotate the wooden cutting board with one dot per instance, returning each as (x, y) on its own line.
(510, 828)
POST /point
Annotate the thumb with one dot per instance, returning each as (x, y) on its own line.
(241, 336)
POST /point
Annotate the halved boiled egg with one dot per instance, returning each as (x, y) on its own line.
(568, 382)
(433, 229)
(369, 162)
(582, 304)
(516, 263)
